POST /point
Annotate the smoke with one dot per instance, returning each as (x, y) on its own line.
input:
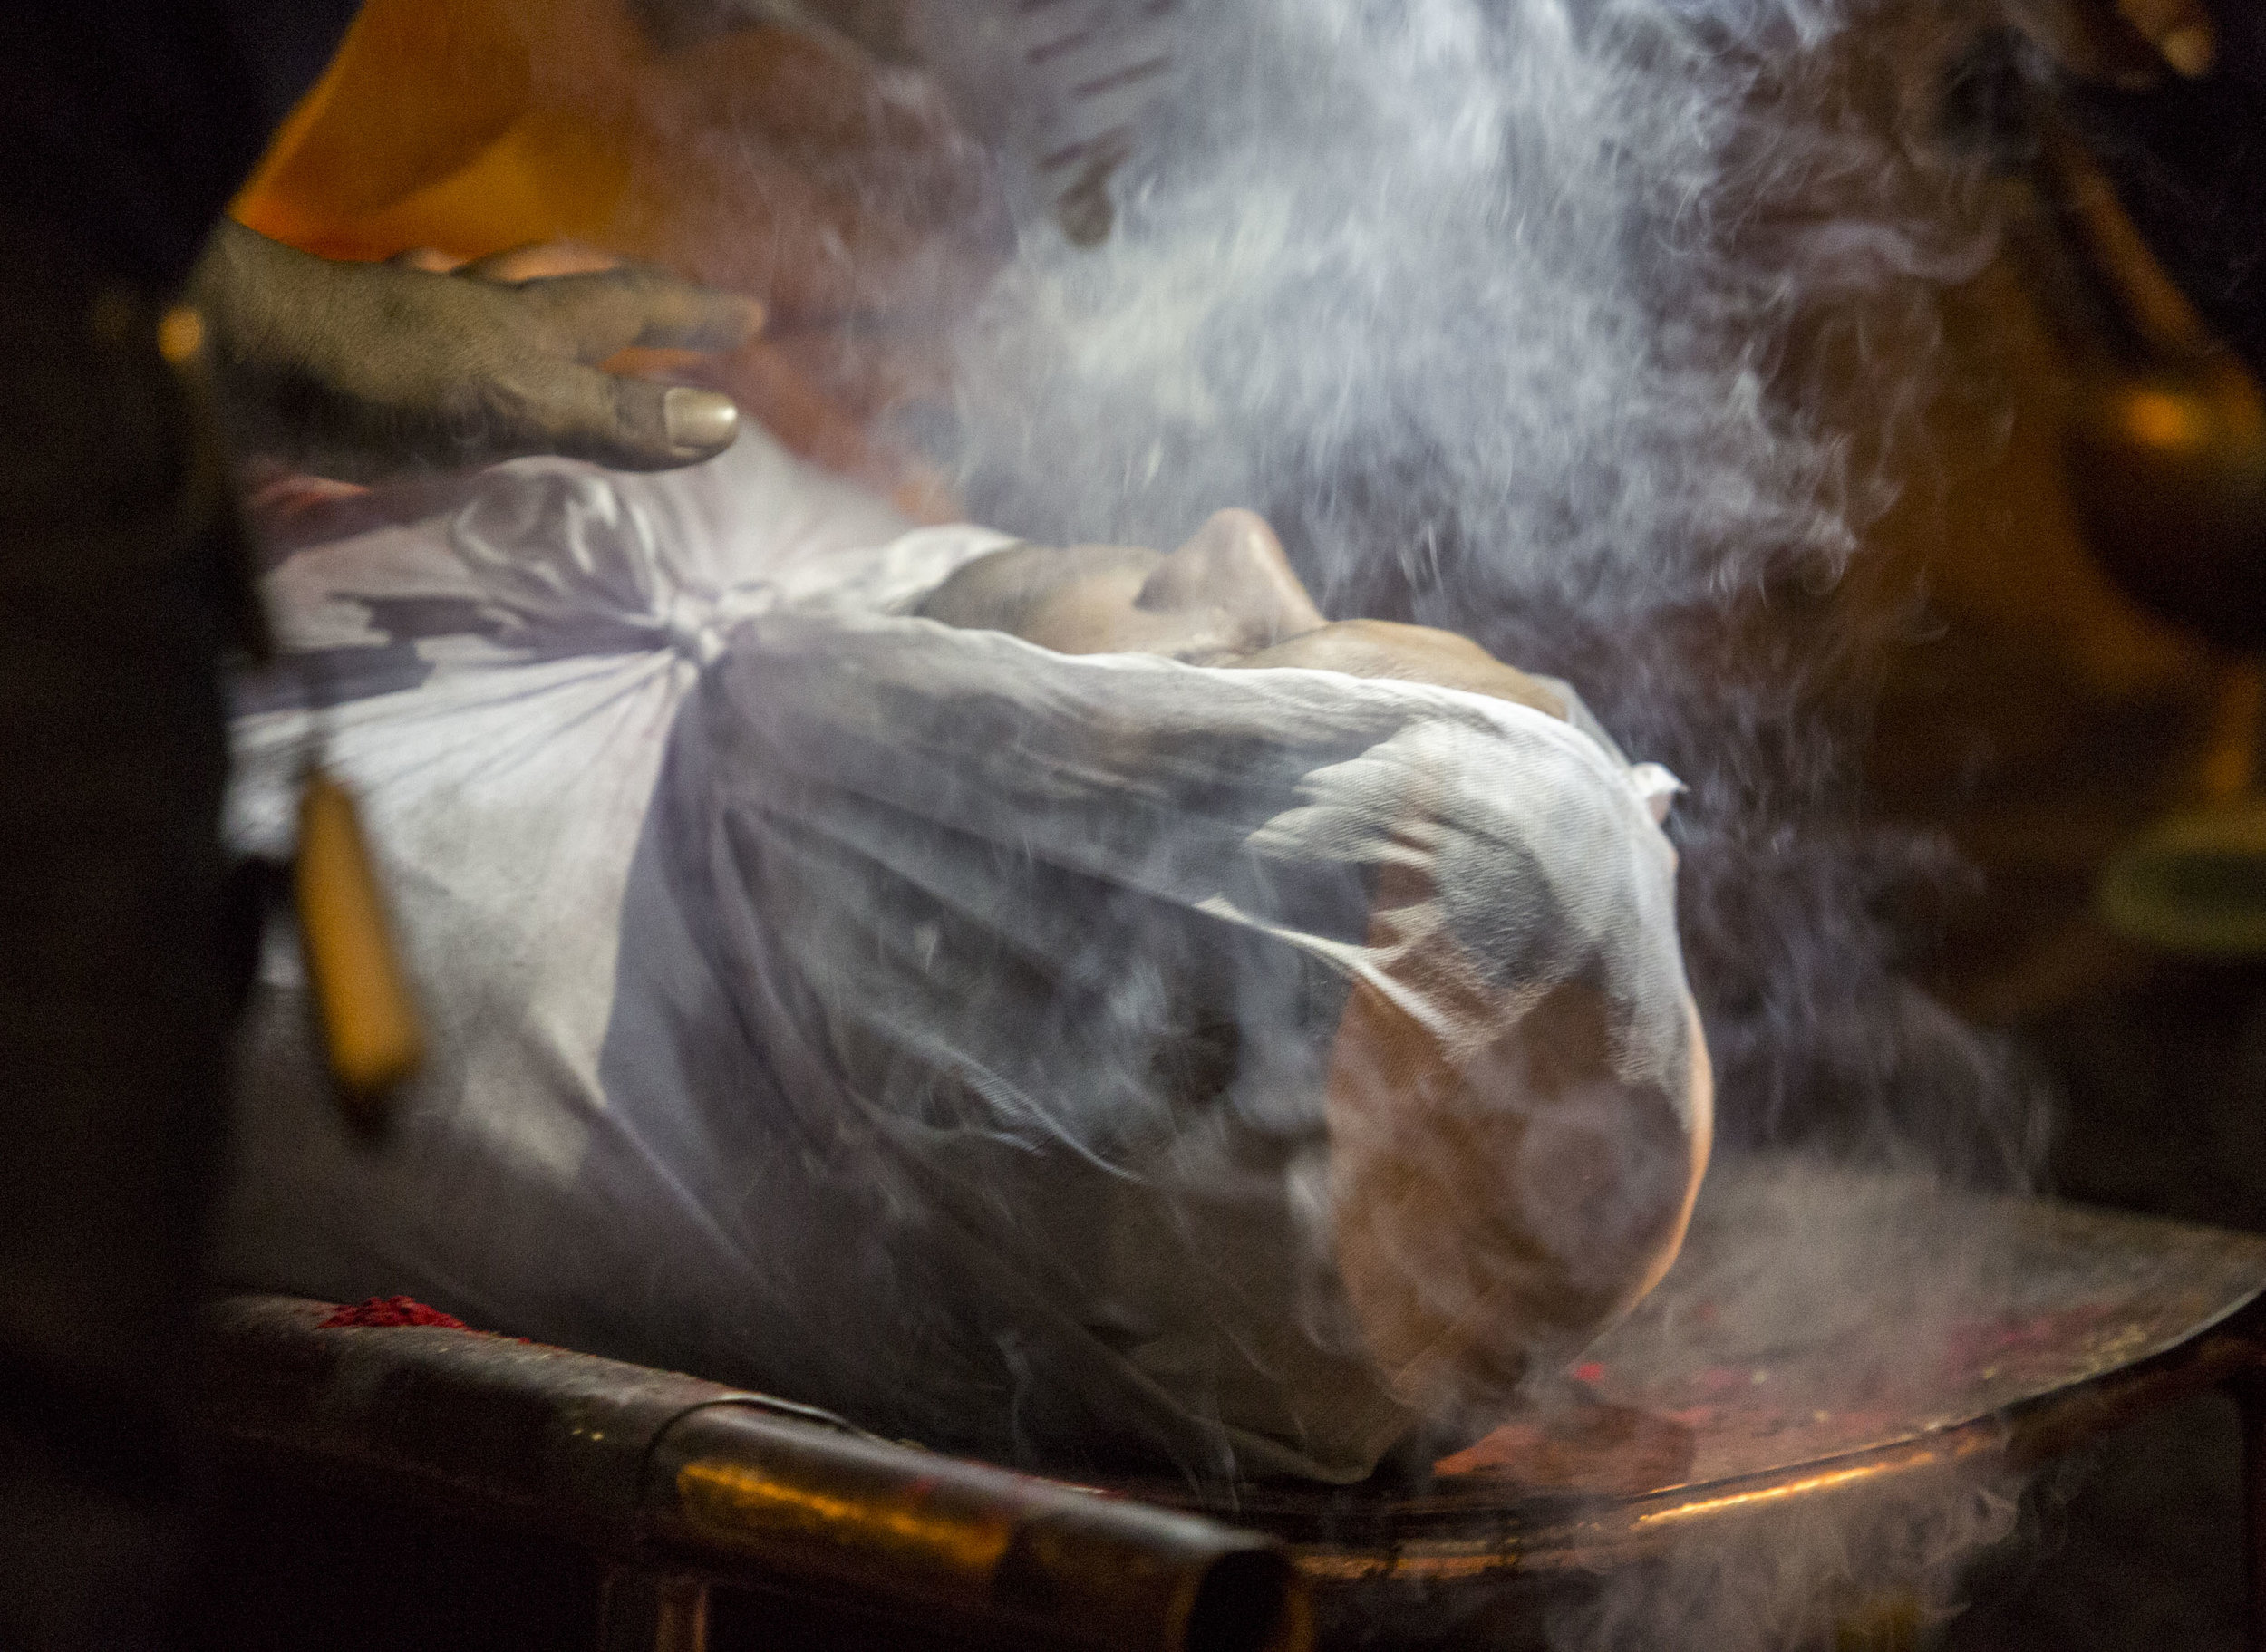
(1821, 1311)
(1598, 329)
(1601, 330)
(1883, 1573)
(1449, 279)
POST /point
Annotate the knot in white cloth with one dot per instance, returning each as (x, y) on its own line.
(695, 625)
(564, 551)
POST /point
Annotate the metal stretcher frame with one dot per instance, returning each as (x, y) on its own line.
(1363, 1566)
(2111, 1316)
(677, 1484)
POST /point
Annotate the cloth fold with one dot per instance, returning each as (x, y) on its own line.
(907, 1020)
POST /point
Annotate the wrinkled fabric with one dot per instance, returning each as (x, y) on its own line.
(905, 1020)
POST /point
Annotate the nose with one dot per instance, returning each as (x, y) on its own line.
(1235, 564)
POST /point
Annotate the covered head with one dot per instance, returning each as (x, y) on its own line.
(1077, 1056)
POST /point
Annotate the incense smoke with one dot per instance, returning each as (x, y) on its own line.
(1592, 327)
(1599, 330)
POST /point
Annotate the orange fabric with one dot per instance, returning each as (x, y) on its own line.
(416, 92)
(759, 160)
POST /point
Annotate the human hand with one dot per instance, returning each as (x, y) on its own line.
(358, 369)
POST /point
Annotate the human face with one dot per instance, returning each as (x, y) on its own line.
(1225, 598)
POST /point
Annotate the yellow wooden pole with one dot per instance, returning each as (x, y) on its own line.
(368, 1011)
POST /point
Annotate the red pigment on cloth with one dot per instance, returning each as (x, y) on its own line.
(386, 1311)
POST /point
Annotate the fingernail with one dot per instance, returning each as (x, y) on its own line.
(699, 420)
(2190, 49)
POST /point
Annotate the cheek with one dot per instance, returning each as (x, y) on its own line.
(1097, 615)
(1084, 616)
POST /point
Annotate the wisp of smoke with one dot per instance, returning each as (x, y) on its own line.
(1592, 328)
(1597, 329)
(1447, 268)
(1883, 1574)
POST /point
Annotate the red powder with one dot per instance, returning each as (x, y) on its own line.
(382, 1311)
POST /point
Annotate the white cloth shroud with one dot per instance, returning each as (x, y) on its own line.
(905, 1020)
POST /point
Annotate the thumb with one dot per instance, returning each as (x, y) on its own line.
(636, 424)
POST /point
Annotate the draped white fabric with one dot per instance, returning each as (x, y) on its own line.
(905, 1020)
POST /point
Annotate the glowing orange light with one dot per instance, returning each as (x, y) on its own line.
(2160, 418)
(180, 336)
(1772, 1493)
(736, 1498)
